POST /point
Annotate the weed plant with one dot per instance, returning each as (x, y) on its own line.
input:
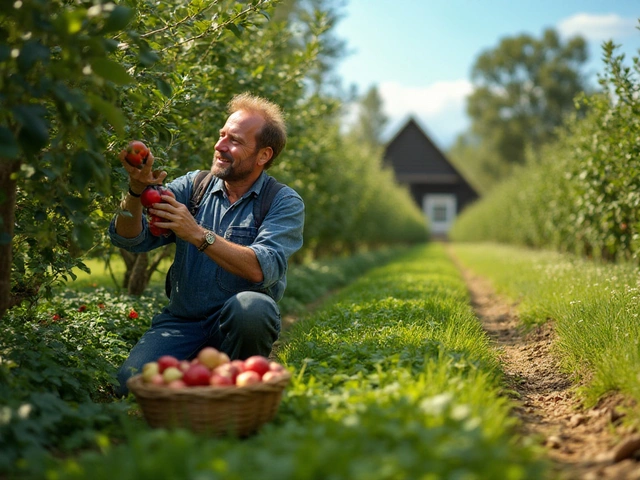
(393, 379)
(594, 308)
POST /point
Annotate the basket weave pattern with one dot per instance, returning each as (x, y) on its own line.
(232, 410)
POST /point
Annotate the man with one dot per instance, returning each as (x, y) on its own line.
(227, 273)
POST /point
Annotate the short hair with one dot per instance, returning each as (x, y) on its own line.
(274, 131)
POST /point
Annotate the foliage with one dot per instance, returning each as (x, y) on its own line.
(58, 360)
(393, 379)
(91, 75)
(580, 195)
(523, 89)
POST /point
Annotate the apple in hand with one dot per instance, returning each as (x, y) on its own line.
(150, 195)
(155, 229)
(135, 154)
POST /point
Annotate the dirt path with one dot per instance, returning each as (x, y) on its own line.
(582, 443)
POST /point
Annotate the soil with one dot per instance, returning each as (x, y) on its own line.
(582, 443)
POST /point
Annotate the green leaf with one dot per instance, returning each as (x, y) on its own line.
(8, 144)
(148, 57)
(118, 20)
(112, 113)
(83, 235)
(265, 14)
(31, 52)
(83, 167)
(35, 127)
(236, 29)
(110, 70)
(164, 87)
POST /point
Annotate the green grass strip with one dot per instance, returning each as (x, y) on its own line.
(594, 307)
(394, 379)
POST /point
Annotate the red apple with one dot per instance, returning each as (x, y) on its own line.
(228, 370)
(238, 364)
(177, 384)
(184, 365)
(220, 380)
(276, 367)
(197, 375)
(272, 375)
(155, 229)
(247, 378)
(258, 364)
(167, 361)
(150, 195)
(157, 379)
(166, 191)
(135, 154)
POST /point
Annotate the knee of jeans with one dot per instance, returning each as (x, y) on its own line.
(248, 308)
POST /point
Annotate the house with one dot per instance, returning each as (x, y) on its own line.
(435, 184)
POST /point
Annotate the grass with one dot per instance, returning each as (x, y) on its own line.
(393, 378)
(110, 276)
(594, 308)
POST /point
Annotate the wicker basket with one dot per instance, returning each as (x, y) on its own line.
(238, 411)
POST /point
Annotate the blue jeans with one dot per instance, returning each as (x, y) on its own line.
(248, 324)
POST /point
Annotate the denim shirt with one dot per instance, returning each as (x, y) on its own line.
(199, 285)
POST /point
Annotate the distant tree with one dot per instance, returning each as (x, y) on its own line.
(522, 90)
(371, 118)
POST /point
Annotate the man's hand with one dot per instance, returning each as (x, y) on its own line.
(178, 218)
(139, 179)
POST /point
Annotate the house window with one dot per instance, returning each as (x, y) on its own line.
(440, 213)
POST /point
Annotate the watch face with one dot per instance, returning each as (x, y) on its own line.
(210, 237)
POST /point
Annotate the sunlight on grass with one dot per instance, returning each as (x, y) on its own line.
(594, 308)
(110, 277)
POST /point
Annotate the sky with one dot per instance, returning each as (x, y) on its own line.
(419, 53)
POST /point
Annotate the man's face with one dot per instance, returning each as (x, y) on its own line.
(236, 156)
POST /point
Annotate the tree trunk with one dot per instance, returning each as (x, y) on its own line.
(7, 219)
(139, 269)
(138, 280)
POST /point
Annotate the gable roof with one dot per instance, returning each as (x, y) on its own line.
(416, 159)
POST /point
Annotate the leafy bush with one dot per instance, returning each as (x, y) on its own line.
(581, 194)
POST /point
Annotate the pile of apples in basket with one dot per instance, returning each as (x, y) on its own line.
(211, 367)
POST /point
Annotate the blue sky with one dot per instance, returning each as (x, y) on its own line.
(419, 53)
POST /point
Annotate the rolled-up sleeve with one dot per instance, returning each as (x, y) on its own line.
(142, 243)
(145, 242)
(280, 236)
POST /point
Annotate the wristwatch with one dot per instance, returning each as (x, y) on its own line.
(209, 239)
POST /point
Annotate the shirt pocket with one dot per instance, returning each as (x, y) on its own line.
(229, 282)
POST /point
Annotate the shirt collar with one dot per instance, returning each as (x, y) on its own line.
(255, 189)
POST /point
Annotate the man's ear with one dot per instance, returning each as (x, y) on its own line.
(264, 155)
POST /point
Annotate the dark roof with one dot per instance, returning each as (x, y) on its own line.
(416, 159)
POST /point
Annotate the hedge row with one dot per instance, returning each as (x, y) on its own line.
(580, 194)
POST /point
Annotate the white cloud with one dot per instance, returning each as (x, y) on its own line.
(439, 107)
(598, 27)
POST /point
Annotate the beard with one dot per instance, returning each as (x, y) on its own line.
(236, 170)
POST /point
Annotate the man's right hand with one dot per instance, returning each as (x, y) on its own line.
(140, 178)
